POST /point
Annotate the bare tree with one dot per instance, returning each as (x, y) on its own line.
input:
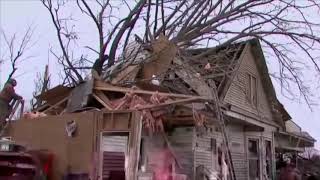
(15, 49)
(66, 35)
(283, 27)
(116, 33)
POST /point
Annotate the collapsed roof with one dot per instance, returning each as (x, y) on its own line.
(161, 67)
(173, 67)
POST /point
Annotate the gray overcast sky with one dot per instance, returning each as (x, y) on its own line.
(16, 15)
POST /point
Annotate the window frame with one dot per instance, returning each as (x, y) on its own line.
(252, 89)
(258, 140)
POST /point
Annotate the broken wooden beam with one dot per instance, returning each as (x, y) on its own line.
(107, 87)
(151, 106)
(181, 101)
(99, 96)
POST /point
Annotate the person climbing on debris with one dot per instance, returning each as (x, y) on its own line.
(7, 99)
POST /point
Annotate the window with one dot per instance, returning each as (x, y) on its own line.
(254, 160)
(251, 89)
(268, 163)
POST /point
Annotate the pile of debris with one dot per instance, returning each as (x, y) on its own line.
(150, 80)
(169, 86)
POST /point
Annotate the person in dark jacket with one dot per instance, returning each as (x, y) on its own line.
(7, 98)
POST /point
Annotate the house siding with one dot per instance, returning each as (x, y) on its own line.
(236, 94)
(204, 153)
(238, 150)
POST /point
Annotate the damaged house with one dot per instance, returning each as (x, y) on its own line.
(159, 116)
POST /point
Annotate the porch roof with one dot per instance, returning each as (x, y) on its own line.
(301, 139)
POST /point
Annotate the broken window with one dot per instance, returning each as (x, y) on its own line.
(251, 89)
(253, 158)
(268, 164)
